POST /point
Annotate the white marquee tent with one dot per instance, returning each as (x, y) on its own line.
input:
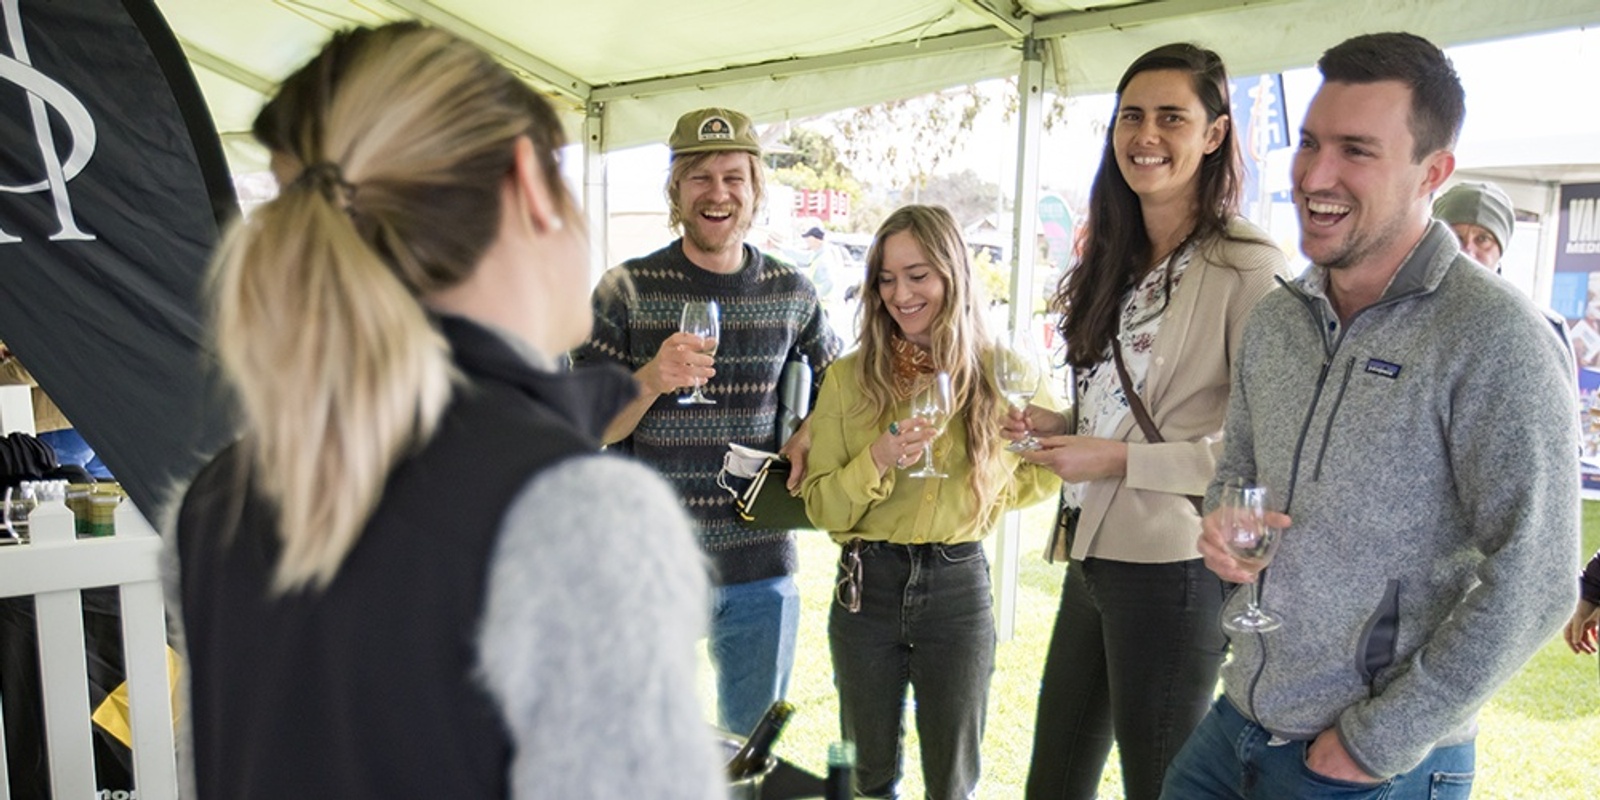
(634, 65)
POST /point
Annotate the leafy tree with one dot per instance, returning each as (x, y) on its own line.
(908, 139)
(993, 277)
(968, 196)
(809, 161)
(1056, 110)
(806, 146)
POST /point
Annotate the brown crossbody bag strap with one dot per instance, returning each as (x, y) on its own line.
(1142, 415)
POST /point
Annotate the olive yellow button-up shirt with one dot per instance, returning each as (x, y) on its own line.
(846, 496)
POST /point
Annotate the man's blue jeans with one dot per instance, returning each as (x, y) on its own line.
(1231, 757)
(753, 629)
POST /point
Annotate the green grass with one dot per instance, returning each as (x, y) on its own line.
(1538, 735)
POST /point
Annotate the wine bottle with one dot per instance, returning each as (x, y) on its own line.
(752, 757)
(840, 784)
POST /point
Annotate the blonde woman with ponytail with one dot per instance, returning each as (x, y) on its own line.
(912, 609)
(413, 575)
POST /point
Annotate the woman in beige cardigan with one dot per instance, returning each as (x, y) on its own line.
(1168, 274)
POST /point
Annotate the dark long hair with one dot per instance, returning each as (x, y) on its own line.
(1116, 246)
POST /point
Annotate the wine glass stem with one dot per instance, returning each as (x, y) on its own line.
(927, 455)
(1254, 606)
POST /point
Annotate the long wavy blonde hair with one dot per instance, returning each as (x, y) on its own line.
(401, 138)
(961, 341)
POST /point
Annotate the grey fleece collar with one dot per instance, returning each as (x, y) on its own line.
(1420, 273)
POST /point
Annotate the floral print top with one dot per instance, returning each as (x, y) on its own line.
(1101, 403)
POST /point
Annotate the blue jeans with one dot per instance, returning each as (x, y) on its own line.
(1231, 757)
(925, 622)
(753, 628)
(1135, 651)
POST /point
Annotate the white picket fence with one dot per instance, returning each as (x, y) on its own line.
(54, 567)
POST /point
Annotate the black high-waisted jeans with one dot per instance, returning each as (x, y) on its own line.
(1135, 652)
(925, 623)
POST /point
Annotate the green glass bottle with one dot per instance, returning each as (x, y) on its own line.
(840, 783)
(752, 757)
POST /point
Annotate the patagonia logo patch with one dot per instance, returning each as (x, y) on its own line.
(1378, 366)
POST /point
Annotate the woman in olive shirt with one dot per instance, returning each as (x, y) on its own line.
(913, 605)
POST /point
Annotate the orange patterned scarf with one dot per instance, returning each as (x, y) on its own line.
(911, 364)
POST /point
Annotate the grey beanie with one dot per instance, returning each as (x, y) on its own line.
(1482, 204)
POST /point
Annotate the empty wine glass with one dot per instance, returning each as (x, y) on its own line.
(1251, 539)
(701, 318)
(932, 403)
(1017, 371)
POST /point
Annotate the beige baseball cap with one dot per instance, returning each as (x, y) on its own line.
(710, 130)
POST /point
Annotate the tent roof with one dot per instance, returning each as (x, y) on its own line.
(646, 61)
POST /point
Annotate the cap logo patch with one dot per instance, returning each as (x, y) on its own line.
(716, 129)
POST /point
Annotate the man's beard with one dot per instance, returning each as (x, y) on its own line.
(1361, 244)
(734, 237)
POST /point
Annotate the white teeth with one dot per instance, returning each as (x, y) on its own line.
(1316, 207)
(1148, 161)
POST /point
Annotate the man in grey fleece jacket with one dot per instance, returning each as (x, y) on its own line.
(1415, 416)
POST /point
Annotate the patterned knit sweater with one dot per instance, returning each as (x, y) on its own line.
(769, 311)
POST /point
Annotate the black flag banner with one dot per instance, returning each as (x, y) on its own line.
(113, 189)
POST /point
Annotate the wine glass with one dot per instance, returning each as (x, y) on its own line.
(932, 403)
(1017, 371)
(701, 318)
(1252, 539)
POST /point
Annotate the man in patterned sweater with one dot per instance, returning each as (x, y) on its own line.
(770, 313)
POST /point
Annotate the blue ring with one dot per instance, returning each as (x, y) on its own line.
(894, 429)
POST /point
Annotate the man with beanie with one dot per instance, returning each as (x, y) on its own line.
(769, 313)
(1429, 511)
(1480, 215)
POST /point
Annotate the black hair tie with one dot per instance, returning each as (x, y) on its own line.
(326, 177)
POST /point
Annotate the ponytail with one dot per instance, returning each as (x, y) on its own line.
(401, 137)
(337, 367)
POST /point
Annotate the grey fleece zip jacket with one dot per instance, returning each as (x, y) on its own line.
(1428, 454)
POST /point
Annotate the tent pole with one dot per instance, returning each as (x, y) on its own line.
(1024, 249)
(1544, 260)
(594, 188)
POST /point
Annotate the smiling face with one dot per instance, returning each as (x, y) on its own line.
(1162, 135)
(715, 201)
(911, 287)
(1361, 198)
